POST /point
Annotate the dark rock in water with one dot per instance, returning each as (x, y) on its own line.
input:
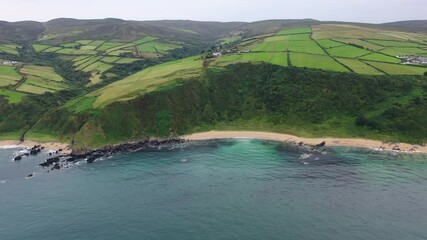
(18, 158)
(42, 148)
(300, 144)
(50, 154)
(322, 144)
(35, 151)
(49, 162)
(56, 166)
(52, 160)
(70, 159)
(60, 150)
(44, 164)
(92, 158)
(30, 175)
(26, 154)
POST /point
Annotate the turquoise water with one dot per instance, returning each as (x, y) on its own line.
(231, 189)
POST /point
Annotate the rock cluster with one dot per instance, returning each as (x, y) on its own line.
(56, 163)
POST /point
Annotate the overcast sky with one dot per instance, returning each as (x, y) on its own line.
(373, 11)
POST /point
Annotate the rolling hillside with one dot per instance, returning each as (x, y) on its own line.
(266, 75)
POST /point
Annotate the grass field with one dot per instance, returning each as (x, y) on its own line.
(110, 59)
(126, 60)
(156, 47)
(281, 44)
(294, 31)
(47, 73)
(71, 45)
(84, 42)
(104, 67)
(395, 43)
(40, 47)
(328, 43)
(28, 88)
(8, 75)
(84, 63)
(108, 45)
(9, 48)
(273, 58)
(52, 49)
(12, 96)
(360, 42)
(144, 40)
(380, 58)
(228, 40)
(44, 83)
(316, 61)
(347, 51)
(398, 69)
(325, 31)
(122, 51)
(92, 66)
(296, 37)
(395, 51)
(88, 47)
(41, 79)
(359, 67)
(148, 80)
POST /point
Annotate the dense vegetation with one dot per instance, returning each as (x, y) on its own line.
(301, 77)
(263, 96)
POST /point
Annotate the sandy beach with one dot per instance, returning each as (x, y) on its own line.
(29, 144)
(343, 142)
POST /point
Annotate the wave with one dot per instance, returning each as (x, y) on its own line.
(10, 146)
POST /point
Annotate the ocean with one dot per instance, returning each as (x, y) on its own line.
(222, 189)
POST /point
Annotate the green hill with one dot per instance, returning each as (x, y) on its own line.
(107, 81)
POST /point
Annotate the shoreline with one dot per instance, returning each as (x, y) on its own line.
(54, 146)
(281, 137)
(331, 142)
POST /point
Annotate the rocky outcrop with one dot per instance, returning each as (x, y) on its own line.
(93, 155)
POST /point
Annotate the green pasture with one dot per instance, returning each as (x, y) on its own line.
(157, 47)
(380, 58)
(9, 48)
(28, 88)
(360, 42)
(347, 51)
(294, 31)
(359, 67)
(327, 43)
(44, 72)
(12, 96)
(316, 61)
(44, 83)
(398, 69)
(395, 51)
(147, 80)
(8, 75)
(40, 47)
(126, 60)
(395, 43)
(52, 49)
(107, 45)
